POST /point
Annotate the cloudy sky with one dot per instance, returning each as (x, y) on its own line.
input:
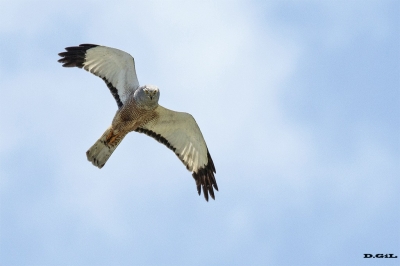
(299, 102)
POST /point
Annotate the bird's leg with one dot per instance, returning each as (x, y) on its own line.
(113, 137)
(109, 136)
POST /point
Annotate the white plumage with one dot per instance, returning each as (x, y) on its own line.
(114, 65)
(183, 133)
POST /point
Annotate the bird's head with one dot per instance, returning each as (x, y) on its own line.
(147, 95)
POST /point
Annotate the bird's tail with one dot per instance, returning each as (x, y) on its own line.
(99, 153)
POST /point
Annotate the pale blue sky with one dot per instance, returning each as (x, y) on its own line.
(299, 102)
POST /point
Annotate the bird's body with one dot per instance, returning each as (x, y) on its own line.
(138, 110)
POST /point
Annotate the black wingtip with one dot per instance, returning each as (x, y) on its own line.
(75, 55)
(89, 45)
(205, 179)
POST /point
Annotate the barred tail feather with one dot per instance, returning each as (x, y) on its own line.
(99, 153)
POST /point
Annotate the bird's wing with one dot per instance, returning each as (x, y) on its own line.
(180, 132)
(114, 66)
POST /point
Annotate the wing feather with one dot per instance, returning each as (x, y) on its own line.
(180, 133)
(115, 67)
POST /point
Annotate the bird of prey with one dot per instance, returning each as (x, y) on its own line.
(138, 110)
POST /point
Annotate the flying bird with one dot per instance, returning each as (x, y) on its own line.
(139, 111)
